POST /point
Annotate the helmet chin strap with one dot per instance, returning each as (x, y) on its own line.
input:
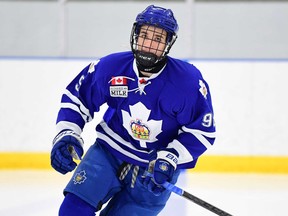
(149, 62)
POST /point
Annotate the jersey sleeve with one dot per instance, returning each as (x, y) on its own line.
(77, 107)
(197, 132)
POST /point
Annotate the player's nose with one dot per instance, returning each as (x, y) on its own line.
(147, 45)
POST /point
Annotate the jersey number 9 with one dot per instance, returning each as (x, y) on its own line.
(208, 120)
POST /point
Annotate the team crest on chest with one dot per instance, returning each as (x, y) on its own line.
(139, 130)
(140, 124)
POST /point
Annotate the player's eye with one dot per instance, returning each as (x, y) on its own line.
(157, 39)
(143, 35)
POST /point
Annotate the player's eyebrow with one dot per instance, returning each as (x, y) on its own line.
(155, 33)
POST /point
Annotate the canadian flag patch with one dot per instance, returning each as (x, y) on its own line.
(118, 80)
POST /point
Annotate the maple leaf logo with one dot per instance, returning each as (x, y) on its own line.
(80, 177)
(203, 89)
(138, 125)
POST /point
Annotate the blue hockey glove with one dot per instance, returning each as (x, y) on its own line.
(162, 166)
(66, 146)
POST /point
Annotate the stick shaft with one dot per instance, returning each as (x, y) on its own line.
(195, 199)
(173, 188)
(204, 204)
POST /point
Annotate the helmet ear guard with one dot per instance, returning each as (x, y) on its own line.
(158, 17)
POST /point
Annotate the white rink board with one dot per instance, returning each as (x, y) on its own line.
(249, 101)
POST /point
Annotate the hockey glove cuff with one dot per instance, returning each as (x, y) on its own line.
(162, 166)
(66, 146)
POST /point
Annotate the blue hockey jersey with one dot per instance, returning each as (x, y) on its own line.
(170, 109)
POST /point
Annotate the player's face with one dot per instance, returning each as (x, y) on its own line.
(152, 39)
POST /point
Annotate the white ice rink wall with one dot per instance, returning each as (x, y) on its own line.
(249, 95)
(249, 98)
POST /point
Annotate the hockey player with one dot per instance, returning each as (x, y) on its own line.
(159, 120)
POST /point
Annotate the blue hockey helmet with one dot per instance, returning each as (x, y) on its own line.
(160, 18)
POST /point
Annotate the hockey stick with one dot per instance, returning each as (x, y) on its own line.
(194, 199)
(185, 194)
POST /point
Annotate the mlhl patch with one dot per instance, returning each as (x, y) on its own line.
(119, 91)
(80, 177)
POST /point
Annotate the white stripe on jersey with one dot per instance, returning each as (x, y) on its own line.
(200, 135)
(65, 125)
(184, 154)
(119, 149)
(118, 138)
(77, 101)
(73, 107)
